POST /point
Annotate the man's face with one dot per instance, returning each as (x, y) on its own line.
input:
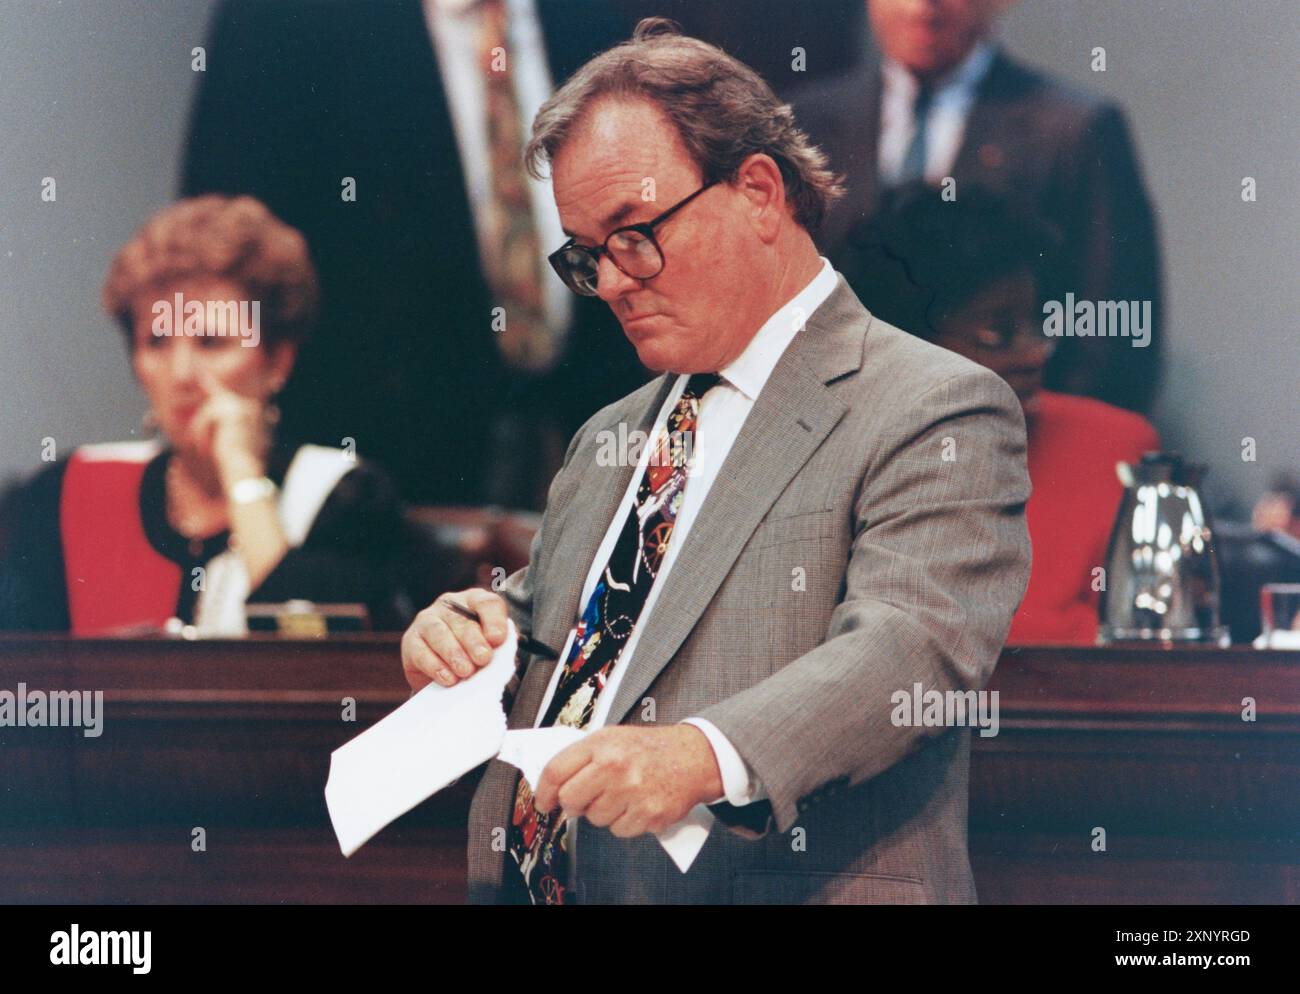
(696, 314)
(929, 37)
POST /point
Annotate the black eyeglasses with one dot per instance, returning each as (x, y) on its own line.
(632, 248)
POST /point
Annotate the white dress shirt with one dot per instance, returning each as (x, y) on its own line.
(722, 412)
(954, 94)
(455, 26)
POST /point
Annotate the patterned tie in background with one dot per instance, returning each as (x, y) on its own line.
(512, 255)
(538, 845)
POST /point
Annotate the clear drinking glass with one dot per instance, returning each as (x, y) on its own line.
(1279, 615)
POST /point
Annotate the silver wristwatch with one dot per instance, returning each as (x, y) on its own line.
(251, 490)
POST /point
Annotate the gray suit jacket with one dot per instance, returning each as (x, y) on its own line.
(865, 533)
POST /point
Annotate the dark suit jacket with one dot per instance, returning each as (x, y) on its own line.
(301, 93)
(914, 563)
(1061, 153)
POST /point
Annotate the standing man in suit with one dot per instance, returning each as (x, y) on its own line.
(391, 134)
(944, 100)
(831, 513)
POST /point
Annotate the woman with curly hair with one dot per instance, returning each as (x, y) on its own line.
(215, 296)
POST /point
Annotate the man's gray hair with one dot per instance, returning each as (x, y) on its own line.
(722, 109)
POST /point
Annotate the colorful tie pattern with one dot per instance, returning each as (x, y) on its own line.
(537, 844)
(512, 249)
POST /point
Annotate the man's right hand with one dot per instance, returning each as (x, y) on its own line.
(445, 647)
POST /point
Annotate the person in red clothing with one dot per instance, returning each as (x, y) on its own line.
(967, 275)
(214, 295)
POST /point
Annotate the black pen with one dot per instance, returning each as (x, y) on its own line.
(526, 642)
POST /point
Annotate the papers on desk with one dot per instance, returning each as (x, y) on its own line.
(441, 734)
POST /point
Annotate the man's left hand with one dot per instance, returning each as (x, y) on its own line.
(631, 778)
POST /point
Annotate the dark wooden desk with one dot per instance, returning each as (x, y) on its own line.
(234, 737)
(1198, 806)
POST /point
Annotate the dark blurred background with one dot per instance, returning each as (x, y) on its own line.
(102, 98)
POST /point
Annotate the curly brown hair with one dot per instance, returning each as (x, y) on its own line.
(722, 109)
(235, 238)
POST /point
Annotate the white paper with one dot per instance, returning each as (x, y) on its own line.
(436, 737)
(441, 734)
(531, 749)
(684, 840)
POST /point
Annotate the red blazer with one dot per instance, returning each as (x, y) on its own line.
(1074, 443)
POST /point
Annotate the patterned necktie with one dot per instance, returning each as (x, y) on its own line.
(513, 259)
(538, 845)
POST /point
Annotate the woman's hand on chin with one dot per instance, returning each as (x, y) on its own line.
(231, 432)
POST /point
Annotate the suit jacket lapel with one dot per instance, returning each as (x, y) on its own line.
(582, 530)
(869, 195)
(985, 138)
(852, 140)
(791, 417)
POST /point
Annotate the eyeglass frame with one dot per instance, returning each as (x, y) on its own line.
(645, 228)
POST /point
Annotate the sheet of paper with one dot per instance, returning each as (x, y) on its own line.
(441, 734)
(436, 737)
(684, 840)
(530, 749)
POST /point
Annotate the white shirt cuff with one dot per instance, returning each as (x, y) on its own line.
(739, 785)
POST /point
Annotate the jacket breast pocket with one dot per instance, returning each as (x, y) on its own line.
(801, 526)
(793, 568)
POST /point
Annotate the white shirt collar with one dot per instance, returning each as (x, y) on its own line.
(749, 371)
(961, 78)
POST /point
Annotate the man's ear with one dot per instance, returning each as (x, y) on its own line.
(760, 181)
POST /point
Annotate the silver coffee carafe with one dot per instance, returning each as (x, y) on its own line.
(1162, 578)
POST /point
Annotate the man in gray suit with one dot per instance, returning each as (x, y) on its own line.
(828, 513)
